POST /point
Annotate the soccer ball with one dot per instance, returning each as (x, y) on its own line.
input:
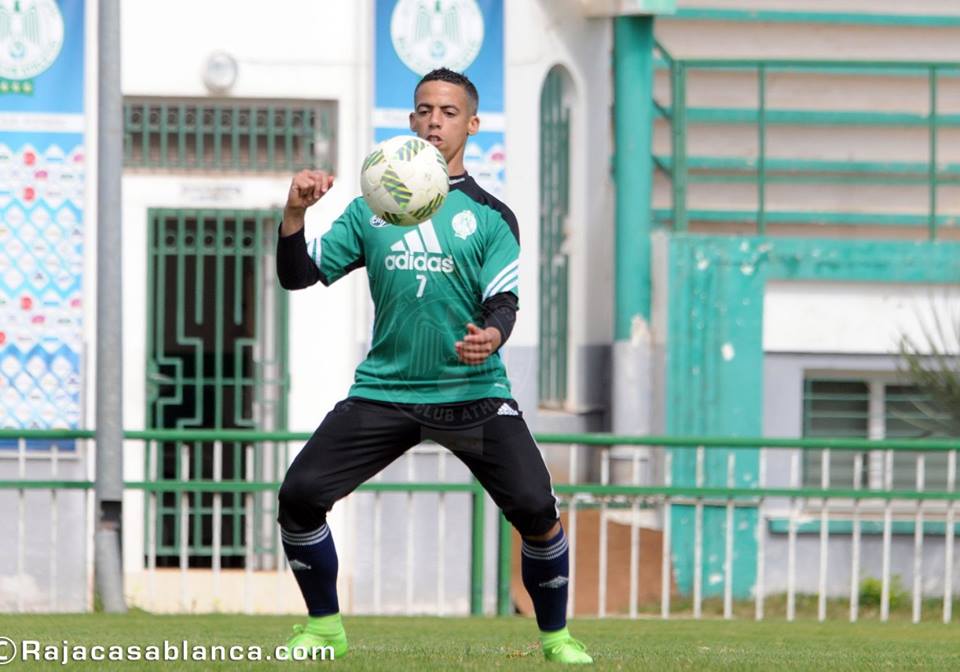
(404, 180)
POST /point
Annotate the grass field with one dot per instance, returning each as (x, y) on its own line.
(426, 644)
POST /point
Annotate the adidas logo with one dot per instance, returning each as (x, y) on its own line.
(297, 565)
(414, 252)
(555, 582)
(506, 409)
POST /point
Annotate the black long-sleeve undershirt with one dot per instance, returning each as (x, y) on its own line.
(296, 270)
(500, 312)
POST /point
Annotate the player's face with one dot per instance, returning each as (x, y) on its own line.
(442, 116)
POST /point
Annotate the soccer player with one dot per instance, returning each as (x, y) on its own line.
(445, 294)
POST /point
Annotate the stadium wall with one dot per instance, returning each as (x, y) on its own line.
(740, 317)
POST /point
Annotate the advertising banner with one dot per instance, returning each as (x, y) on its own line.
(42, 173)
(414, 37)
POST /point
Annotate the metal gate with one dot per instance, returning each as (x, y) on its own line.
(217, 346)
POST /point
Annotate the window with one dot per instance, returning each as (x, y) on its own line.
(874, 409)
(554, 261)
(243, 136)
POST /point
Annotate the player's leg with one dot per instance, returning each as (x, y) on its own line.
(355, 441)
(503, 456)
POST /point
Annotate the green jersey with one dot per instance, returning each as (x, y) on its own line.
(427, 282)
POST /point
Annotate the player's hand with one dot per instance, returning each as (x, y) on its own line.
(478, 344)
(308, 187)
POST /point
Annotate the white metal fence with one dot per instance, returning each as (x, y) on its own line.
(656, 525)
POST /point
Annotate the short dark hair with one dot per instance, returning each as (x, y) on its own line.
(451, 77)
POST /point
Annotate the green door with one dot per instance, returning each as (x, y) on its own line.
(216, 359)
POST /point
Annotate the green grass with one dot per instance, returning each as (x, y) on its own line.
(426, 644)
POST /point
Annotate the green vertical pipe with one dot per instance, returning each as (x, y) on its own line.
(477, 552)
(504, 568)
(633, 168)
(678, 128)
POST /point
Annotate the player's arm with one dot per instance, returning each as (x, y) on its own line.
(499, 315)
(500, 280)
(295, 267)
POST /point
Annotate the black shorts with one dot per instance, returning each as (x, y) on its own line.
(360, 437)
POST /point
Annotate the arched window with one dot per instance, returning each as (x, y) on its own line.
(554, 261)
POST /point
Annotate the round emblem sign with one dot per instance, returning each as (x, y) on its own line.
(428, 34)
(31, 35)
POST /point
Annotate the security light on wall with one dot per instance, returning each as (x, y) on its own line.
(220, 72)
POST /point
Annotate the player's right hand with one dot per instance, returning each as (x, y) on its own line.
(308, 187)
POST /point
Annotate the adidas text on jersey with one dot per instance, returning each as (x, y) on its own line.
(419, 250)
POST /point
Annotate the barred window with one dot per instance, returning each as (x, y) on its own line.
(250, 136)
(835, 408)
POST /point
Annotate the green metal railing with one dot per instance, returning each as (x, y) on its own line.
(763, 170)
(613, 494)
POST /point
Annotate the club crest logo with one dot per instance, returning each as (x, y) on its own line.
(378, 222)
(464, 224)
(31, 36)
(428, 34)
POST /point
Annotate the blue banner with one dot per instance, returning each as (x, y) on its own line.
(42, 175)
(416, 36)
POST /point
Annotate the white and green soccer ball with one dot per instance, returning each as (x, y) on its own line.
(404, 180)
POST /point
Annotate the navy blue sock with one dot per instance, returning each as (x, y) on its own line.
(545, 567)
(313, 559)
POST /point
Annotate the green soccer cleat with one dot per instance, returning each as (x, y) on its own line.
(324, 631)
(560, 647)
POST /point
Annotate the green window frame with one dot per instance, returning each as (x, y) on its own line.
(244, 136)
(554, 261)
(864, 408)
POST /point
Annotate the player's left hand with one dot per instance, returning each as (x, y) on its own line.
(478, 344)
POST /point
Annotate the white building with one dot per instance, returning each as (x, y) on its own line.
(224, 101)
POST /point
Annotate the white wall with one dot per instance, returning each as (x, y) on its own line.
(582, 47)
(296, 50)
(293, 50)
(857, 318)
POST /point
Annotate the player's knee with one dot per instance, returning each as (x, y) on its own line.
(298, 498)
(532, 514)
(292, 489)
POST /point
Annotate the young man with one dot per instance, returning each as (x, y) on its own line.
(433, 370)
